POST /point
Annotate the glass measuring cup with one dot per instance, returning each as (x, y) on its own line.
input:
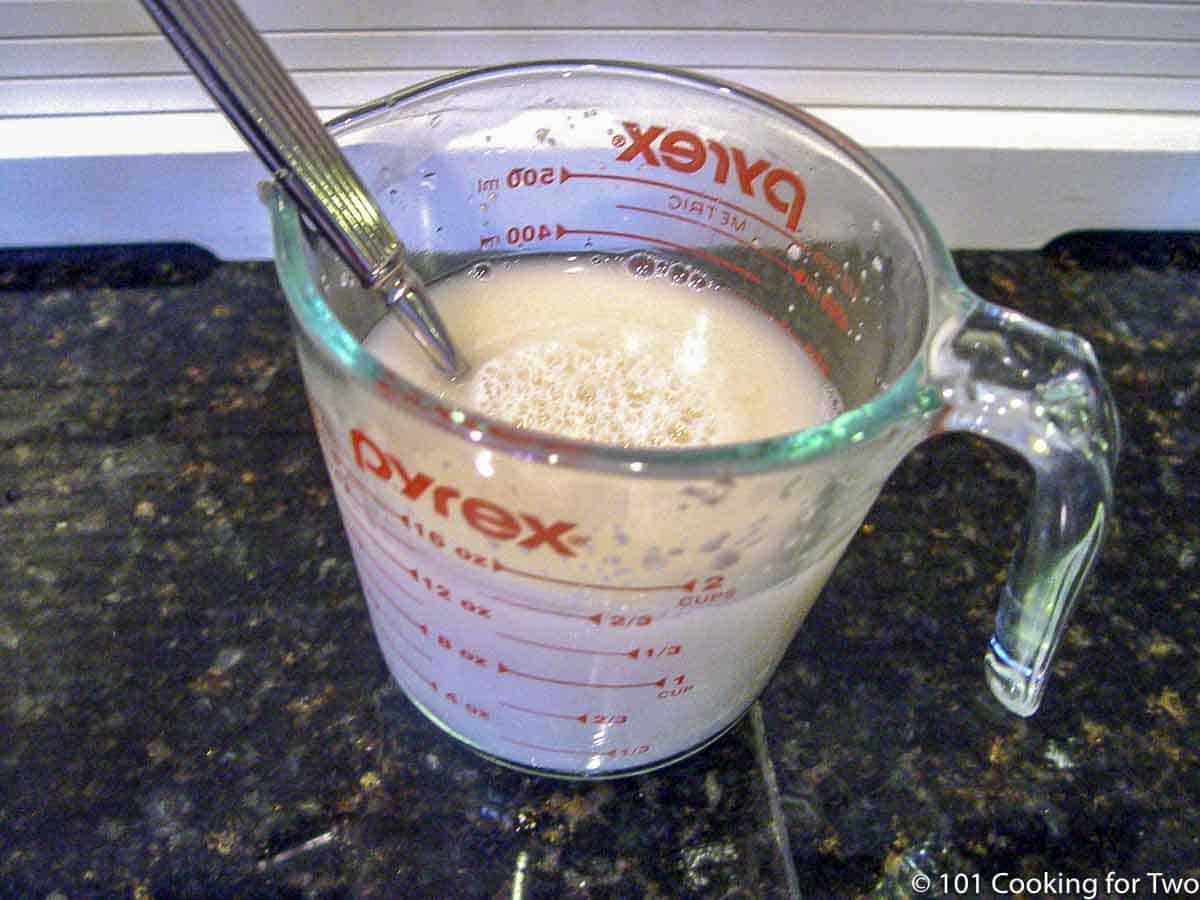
(592, 611)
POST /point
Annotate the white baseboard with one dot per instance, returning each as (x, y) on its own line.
(989, 178)
(1012, 120)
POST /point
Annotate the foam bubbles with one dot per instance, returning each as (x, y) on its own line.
(623, 395)
(645, 352)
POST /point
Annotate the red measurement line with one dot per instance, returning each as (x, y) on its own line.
(387, 628)
(352, 497)
(797, 276)
(415, 670)
(348, 476)
(632, 654)
(767, 223)
(370, 583)
(682, 190)
(568, 750)
(360, 528)
(595, 619)
(502, 668)
(582, 717)
(383, 589)
(561, 230)
(687, 587)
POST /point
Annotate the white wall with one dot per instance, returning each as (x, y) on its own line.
(1012, 121)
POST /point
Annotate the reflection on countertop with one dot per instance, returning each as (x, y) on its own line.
(192, 702)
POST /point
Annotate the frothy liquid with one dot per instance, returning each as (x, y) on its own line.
(594, 351)
(568, 620)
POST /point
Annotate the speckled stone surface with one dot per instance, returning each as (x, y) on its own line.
(191, 702)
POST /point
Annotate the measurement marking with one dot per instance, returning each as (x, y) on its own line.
(346, 473)
(415, 670)
(632, 654)
(502, 668)
(581, 718)
(358, 492)
(611, 754)
(798, 276)
(391, 583)
(565, 174)
(352, 496)
(415, 624)
(561, 230)
(687, 587)
(390, 632)
(767, 223)
(595, 618)
(569, 750)
(366, 529)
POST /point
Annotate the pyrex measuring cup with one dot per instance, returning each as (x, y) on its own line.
(590, 610)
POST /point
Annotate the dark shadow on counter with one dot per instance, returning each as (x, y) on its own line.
(104, 266)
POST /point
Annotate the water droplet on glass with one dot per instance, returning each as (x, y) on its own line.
(877, 226)
(793, 252)
(679, 273)
(877, 263)
(541, 134)
(481, 271)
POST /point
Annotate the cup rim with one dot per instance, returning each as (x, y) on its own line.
(907, 395)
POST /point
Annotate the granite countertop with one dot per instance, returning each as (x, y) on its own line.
(193, 705)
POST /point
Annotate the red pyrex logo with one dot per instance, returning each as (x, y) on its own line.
(489, 519)
(685, 151)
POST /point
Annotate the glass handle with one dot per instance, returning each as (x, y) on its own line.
(1039, 391)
